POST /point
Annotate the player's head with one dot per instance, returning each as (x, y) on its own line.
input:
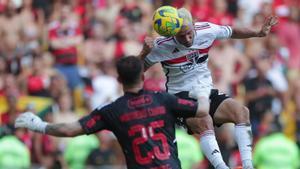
(130, 70)
(186, 35)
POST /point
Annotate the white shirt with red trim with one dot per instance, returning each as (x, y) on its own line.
(186, 67)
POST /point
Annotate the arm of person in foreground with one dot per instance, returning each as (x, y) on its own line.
(33, 122)
(243, 33)
(147, 47)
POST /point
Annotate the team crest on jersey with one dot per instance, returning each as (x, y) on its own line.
(191, 58)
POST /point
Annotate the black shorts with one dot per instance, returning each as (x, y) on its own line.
(215, 99)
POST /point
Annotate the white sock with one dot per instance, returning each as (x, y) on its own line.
(211, 149)
(243, 137)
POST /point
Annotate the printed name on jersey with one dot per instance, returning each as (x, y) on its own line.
(139, 101)
(143, 113)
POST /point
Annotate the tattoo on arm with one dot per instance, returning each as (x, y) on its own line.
(243, 33)
(64, 129)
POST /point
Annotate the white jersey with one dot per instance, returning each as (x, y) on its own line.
(186, 67)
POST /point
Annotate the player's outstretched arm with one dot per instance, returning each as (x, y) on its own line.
(34, 123)
(243, 33)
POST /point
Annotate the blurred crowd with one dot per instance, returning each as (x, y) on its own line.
(57, 60)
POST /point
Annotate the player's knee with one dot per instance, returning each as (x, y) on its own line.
(199, 125)
(242, 115)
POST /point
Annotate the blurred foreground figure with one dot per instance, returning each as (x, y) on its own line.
(143, 121)
(276, 151)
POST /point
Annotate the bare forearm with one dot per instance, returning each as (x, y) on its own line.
(142, 55)
(64, 129)
(243, 33)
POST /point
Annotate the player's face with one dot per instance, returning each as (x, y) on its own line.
(186, 36)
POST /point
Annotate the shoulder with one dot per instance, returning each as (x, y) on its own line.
(202, 25)
(206, 27)
(162, 50)
(103, 109)
(164, 42)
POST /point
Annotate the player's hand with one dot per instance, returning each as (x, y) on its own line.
(148, 45)
(30, 121)
(266, 28)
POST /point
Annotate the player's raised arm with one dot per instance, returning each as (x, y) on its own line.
(242, 33)
(34, 123)
(147, 47)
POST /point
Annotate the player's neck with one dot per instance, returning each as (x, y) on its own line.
(133, 88)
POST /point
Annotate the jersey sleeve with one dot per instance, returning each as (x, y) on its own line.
(221, 32)
(181, 107)
(150, 59)
(158, 53)
(94, 122)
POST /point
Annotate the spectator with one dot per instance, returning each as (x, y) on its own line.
(13, 153)
(220, 14)
(64, 36)
(188, 150)
(37, 82)
(276, 151)
(227, 75)
(104, 84)
(78, 150)
(288, 32)
(8, 117)
(260, 92)
(103, 156)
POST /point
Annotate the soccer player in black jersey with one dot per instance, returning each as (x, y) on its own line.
(143, 121)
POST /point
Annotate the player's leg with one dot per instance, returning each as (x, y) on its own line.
(203, 125)
(229, 110)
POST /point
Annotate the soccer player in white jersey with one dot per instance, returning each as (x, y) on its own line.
(184, 59)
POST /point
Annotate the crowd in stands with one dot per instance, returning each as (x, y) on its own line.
(57, 60)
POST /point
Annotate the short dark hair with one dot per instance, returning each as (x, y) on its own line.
(129, 70)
